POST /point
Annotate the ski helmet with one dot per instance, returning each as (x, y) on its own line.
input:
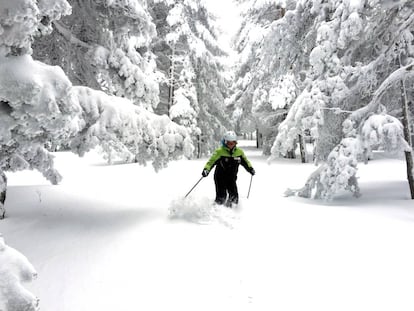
(230, 136)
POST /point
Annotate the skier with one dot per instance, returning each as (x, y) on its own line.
(227, 159)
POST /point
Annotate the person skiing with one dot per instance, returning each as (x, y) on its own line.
(227, 159)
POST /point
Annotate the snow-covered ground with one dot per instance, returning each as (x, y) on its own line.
(104, 239)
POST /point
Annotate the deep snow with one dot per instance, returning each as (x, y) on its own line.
(104, 239)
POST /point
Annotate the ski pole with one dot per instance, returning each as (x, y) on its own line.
(251, 178)
(194, 186)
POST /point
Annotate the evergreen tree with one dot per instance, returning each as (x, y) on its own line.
(351, 75)
(253, 84)
(40, 106)
(194, 88)
(106, 45)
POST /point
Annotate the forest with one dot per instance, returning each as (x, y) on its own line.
(148, 81)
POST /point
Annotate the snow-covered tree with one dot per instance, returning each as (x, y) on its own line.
(254, 92)
(15, 269)
(354, 72)
(194, 87)
(178, 97)
(106, 45)
(123, 130)
(40, 107)
(30, 105)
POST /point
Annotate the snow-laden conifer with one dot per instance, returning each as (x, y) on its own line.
(258, 88)
(106, 45)
(41, 110)
(194, 87)
(355, 52)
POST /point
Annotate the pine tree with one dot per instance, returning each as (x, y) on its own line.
(106, 45)
(194, 88)
(252, 90)
(353, 73)
(40, 108)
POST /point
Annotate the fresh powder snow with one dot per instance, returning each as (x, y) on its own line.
(123, 237)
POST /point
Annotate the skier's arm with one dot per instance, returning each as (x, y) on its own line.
(246, 164)
(213, 160)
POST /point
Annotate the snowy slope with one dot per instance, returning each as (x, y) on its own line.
(103, 239)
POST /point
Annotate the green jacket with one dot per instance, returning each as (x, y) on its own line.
(228, 161)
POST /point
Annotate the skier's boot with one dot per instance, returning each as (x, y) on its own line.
(232, 201)
(219, 201)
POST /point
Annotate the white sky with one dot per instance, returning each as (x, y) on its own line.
(229, 21)
(227, 11)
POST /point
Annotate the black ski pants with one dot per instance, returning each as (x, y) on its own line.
(226, 185)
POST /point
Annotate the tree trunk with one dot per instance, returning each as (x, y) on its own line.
(302, 148)
(171, 80)
(198, 146)
(330, 134)
(258, 144)
(291, 154)
(407, 137)
(3, 187)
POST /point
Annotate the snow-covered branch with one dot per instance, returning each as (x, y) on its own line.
(372, 107)
(408, 24)
(126, 131)
(66, 33)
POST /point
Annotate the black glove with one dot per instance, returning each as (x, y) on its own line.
(205, 172)
(252, 171)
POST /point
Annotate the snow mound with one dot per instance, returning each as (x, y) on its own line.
(15, 269)
(202, 211)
